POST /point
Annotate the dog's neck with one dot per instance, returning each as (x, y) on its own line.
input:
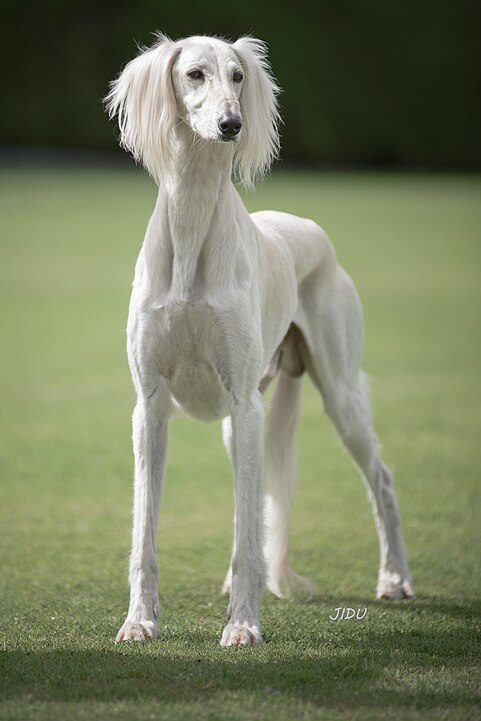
(188, 206)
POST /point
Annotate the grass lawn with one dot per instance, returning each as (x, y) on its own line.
(69, 239)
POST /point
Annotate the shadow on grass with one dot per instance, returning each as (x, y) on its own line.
(423, 605)
(378, 669)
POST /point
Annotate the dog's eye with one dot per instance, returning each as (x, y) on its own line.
(196, 74)
(237, 77)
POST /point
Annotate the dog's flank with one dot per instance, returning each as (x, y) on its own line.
(222, 303)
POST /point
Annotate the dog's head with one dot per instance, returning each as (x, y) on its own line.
(223, 92)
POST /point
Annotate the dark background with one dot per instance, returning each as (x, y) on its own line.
(366, 83)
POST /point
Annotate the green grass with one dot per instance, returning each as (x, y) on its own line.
(69, 239)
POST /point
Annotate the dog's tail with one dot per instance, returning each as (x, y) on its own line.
(281, 477)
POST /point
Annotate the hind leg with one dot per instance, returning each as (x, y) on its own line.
(281, 478)
(348, 408)
(332, 328)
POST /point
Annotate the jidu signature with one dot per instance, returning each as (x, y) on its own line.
(346, 614)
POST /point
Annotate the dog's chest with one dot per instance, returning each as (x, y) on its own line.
(194, 347)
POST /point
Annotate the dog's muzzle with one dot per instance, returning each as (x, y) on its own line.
(230, 126)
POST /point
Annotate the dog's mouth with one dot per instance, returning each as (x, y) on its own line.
(217, 137)
(225, 139)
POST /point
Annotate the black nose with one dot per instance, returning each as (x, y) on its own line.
(230, 125)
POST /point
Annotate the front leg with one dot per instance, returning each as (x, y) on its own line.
(150, 449)
(243, 628)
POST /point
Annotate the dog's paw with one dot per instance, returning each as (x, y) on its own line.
(137, 631)
(240, 634)
(393, 587)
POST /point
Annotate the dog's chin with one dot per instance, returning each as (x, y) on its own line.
(223, 139)
(215, 137)
(219, 138)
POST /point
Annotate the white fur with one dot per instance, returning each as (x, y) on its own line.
(224, 301)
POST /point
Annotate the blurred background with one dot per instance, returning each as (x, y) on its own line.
(381, 145)
(375, 83)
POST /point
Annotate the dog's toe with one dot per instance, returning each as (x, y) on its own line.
(137, 631)
(394, 589)
(240, 634)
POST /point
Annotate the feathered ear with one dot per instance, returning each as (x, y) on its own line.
(259, 142)
(143, 99)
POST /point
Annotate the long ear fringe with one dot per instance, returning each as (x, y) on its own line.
(142, 97)
(259, 144)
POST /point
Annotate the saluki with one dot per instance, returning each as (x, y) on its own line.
(223, 302)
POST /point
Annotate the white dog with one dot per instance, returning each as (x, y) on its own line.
(223, 302)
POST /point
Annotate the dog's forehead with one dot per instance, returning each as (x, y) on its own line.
(207, 50)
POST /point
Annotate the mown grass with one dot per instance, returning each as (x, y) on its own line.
(69, 239)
